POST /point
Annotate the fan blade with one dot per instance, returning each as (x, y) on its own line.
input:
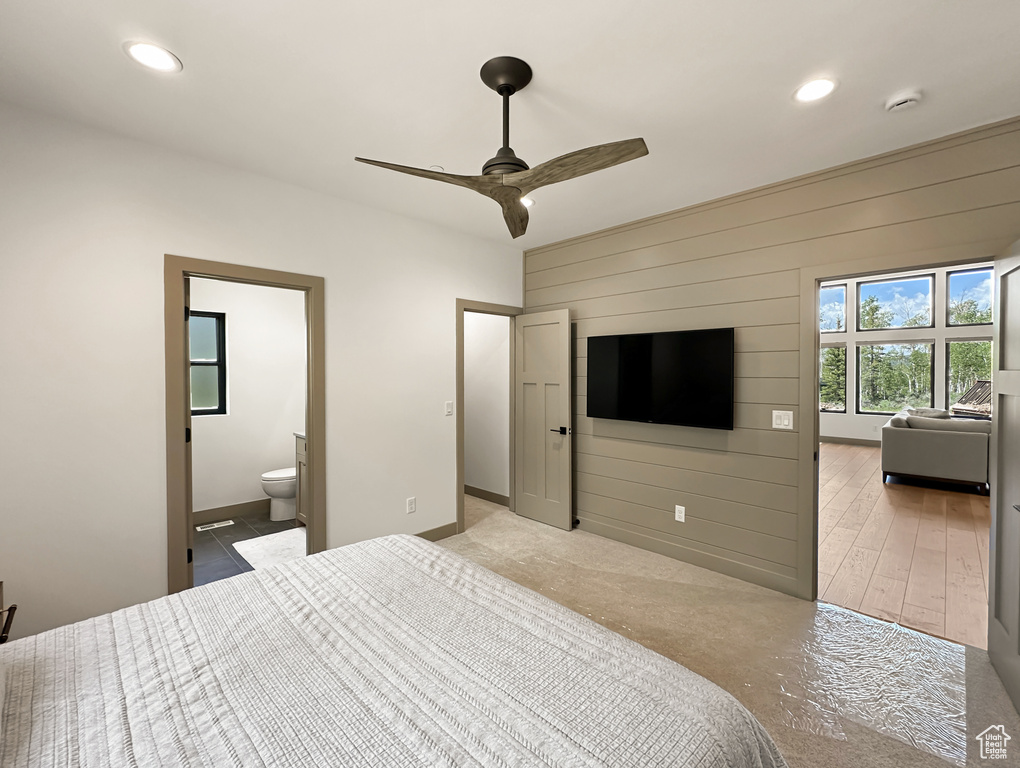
(515, 213)
(509, 198)
(481, 184)
(574, 164)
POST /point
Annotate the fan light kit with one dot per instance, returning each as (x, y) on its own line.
(506, 178)
(815, 90)
(153, 57)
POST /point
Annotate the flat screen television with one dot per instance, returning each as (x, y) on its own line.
(683, 378)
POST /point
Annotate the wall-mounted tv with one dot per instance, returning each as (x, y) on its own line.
(676, 377)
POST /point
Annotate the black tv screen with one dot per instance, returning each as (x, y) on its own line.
(677, 377)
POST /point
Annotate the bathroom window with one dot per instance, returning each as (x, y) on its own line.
(208, 344)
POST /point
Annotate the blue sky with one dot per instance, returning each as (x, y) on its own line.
(972, 285)
(906, 297)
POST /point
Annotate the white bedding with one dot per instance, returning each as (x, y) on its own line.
(392, 652)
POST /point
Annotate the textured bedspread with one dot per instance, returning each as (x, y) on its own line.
(392, 652)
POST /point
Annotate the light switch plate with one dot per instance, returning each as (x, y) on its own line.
(448, 408)
(782, 419)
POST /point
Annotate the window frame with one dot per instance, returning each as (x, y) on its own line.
(220, 363)
(846, 325)
(930, 343)
(949, 297)
(931, 305)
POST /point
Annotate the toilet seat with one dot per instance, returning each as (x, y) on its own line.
(278, 475)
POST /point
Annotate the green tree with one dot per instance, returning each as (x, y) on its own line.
(966, 312)
(872, 314)
(968, 362)
(832, 379)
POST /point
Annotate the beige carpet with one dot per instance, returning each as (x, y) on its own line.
(832, 687)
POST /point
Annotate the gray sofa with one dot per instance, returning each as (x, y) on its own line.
(929, 444)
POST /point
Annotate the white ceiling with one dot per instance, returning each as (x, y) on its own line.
(294, 90)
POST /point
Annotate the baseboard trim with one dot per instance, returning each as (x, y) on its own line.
(232, 510)
(479, 493)
(442, 532)
(850, 441)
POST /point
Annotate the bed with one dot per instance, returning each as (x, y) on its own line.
(391, 652)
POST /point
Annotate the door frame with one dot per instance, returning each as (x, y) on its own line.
(484, 308)
(176, 270)
(806, 581)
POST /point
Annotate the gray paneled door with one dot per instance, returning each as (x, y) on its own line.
(1004, 551)
(543, 419)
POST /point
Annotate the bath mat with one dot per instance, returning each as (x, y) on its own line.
(274, 548)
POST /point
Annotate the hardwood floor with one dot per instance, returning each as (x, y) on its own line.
(905, 553)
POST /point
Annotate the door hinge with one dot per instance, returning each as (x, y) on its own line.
(189, 554)
(187, 314)
(187, 434)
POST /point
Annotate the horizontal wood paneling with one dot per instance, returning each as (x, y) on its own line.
(867, 181)
(737, 541)
(725, 561)
(742, 262)
(754, 492)
(727, 463)
(755, 287)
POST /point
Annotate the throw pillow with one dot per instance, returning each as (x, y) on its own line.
(928, 413)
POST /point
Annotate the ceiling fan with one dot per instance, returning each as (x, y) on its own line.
(506, 178)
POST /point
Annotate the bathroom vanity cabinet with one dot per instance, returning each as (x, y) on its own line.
(301, 465)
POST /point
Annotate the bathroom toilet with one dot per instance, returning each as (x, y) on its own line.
(281, 486)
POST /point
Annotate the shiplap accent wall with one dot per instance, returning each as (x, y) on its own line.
(749, 261)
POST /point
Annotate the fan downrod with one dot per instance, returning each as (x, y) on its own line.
(505, 75)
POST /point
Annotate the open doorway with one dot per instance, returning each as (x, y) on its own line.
(248, 368)
(903, 530)
(487, 416)
(485, 408)
(309, 452)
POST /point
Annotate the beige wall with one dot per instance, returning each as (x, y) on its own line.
(86, 218)
(751, 261)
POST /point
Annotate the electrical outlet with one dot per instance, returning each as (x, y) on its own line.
(681, 513)
(411, 505)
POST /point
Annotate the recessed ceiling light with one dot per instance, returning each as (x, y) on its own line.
(815, 90)
(153, 57)
(527, 202)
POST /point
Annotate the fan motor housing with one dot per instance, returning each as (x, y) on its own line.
(505, 161)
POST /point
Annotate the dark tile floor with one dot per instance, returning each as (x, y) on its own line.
(214, 556)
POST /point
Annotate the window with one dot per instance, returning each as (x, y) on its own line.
(969, 363)
(894, 376)
(970, 297)
(903, 303)
(832, 309)
(832, 380)
(207, 342)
